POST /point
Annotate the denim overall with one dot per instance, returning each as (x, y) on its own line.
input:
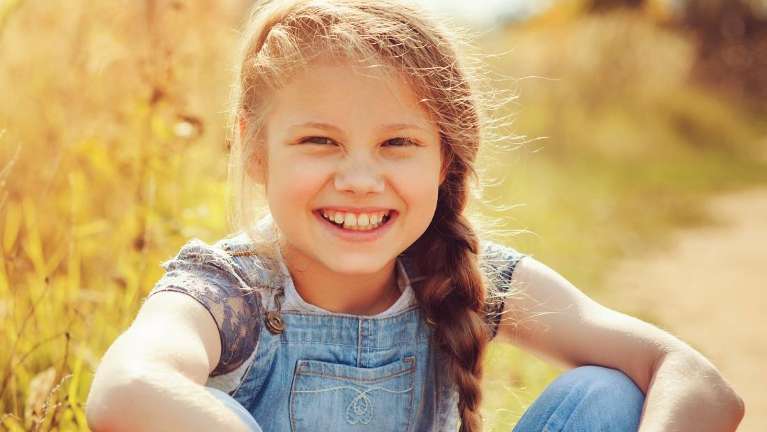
(339, 372)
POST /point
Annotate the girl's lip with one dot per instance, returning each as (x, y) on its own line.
(358, 236)
(357, 209)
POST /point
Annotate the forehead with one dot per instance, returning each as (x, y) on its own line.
(345, 87)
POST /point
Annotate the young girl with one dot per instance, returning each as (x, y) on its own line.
(364, 299)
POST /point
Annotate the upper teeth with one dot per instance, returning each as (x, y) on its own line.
(355, 219)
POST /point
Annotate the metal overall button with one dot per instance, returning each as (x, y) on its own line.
(273, 322)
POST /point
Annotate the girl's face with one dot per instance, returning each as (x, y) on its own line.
(342, 140)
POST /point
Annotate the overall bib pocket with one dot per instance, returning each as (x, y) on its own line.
(329, 396)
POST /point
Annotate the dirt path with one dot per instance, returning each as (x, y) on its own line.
(710, 290)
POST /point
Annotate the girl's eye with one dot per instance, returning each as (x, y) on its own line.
(316, 140)
(401, 142)
(394, 142)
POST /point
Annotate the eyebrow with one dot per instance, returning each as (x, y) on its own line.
(329, 127)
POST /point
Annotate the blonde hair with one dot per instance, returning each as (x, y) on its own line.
(283, 36)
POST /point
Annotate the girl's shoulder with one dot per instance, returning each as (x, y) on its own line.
(498, 261)
(495, 251)
(231, 258)
(223, 277)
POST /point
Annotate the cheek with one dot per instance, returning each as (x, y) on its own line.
(418, 185)
(296, 182)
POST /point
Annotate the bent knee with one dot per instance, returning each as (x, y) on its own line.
(610, 394)
(590, 397)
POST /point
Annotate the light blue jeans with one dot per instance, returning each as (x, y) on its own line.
(587, 398)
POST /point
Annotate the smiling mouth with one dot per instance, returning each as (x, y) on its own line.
(356, 221)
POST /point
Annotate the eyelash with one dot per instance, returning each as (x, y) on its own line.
(410, 142)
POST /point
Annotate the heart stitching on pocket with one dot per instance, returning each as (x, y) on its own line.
(339, 397)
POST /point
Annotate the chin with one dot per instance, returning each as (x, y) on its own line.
(356, 263)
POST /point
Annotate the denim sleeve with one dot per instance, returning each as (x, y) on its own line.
(208, 274)
(498, 262)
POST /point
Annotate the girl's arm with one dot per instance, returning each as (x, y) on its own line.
(152, 377)
(683, 390)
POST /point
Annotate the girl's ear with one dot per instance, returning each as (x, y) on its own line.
(255, 168)
(254, 163)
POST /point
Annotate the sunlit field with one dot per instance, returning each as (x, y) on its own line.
(113, 154)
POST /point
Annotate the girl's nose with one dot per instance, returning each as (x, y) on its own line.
(360, 176)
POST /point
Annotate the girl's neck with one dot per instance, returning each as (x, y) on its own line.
(363, 294)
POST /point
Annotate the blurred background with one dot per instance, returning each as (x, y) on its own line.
(632, 159)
